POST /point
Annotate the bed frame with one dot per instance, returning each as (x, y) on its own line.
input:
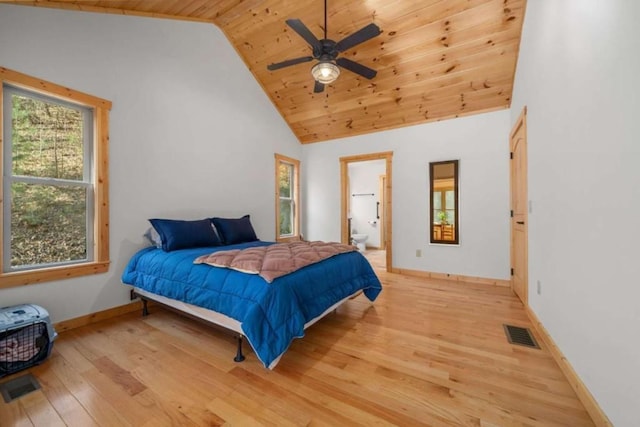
(211, 317)
(214, 318)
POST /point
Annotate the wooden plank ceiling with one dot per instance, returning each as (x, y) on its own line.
(435, 59)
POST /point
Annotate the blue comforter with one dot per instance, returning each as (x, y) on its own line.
(272, 315)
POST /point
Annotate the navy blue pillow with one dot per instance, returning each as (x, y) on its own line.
(235, 230)
(179, 234)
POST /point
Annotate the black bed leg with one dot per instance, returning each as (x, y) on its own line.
(145, 309)
(239, 356)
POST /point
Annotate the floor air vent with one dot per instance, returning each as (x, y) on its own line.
(520, 336)
(18, 387)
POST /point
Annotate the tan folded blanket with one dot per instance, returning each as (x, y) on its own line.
(276, 260)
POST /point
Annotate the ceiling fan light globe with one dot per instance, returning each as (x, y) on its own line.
(325, 72)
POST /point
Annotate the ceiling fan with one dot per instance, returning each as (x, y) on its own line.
(326, 51)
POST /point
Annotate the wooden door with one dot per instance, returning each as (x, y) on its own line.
(381, 215)
(519, 219)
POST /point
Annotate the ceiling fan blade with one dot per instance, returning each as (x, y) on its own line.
(360, 36)
(360, 69)
(318, 87)
(305, 33)
(289, 62)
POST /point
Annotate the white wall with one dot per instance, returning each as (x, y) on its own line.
(481, 144)
(192, 133)
(364, 178)
(578, 75)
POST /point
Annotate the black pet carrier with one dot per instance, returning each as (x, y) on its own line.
(26, 337)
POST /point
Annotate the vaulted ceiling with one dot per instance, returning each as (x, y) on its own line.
(435, 59)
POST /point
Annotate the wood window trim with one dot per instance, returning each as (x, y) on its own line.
(101, 108)
(296, 197)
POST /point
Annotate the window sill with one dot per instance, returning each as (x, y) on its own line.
(8, 280)
(289, 239)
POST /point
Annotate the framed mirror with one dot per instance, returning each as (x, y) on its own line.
(444, 196)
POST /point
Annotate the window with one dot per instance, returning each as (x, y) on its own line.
(287, 198)
(54, 182)
(444, 202)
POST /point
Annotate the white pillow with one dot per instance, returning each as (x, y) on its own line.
(153, 237)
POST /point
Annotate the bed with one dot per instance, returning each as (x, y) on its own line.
(268, 315)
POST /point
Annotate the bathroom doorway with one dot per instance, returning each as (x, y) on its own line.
(366, 205)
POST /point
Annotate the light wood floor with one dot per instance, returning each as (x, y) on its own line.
(377, 258)
(425, 353)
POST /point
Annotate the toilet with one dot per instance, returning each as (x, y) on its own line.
(358, 240)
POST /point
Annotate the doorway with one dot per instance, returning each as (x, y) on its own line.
(383, 209)
(519, 214)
